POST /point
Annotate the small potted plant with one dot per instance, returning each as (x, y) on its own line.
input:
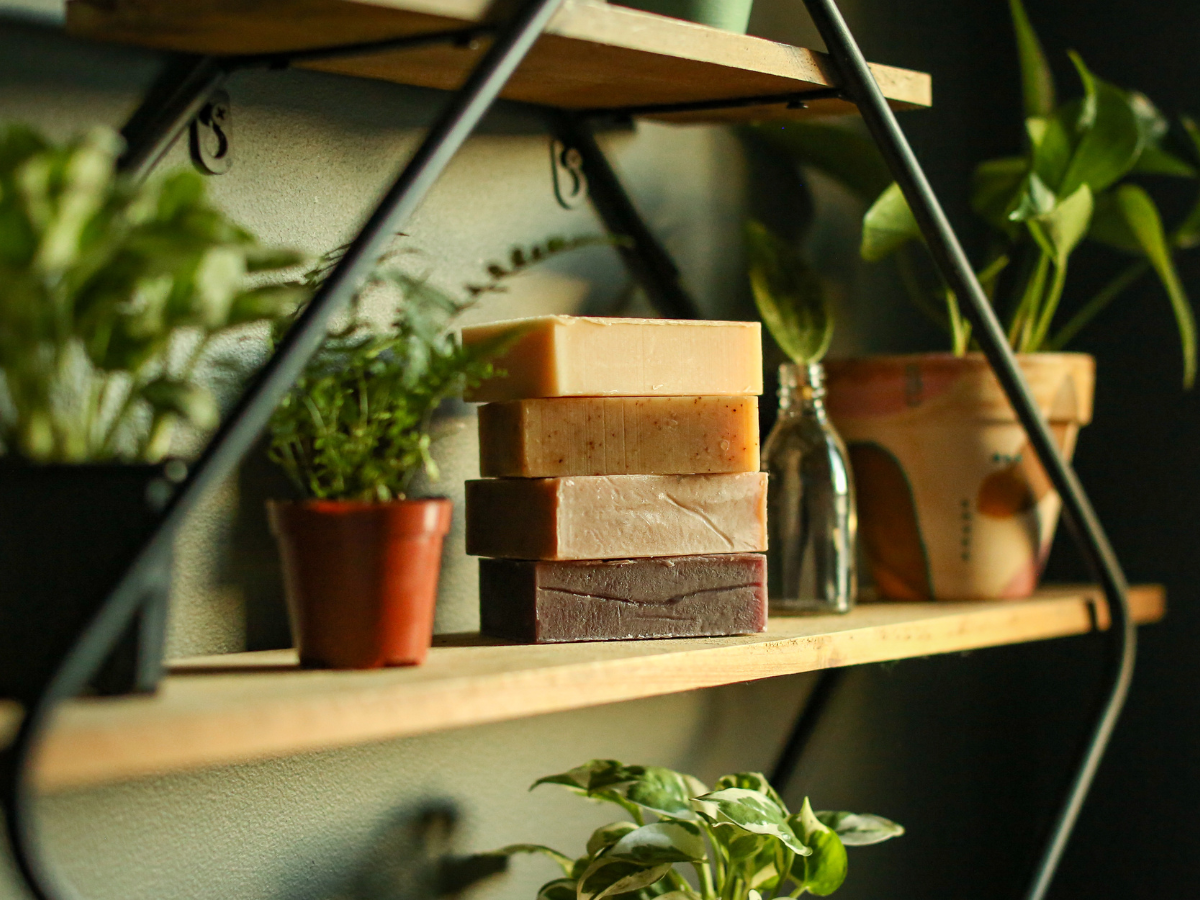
(953, 502)
(361, 557)
(112, 295)
(739, 840)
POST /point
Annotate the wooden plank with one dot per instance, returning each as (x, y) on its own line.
(227, 709)
(593, 56)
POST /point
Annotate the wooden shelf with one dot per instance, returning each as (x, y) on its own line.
(226, 709)
(593, 55)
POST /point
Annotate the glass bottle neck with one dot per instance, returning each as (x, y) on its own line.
(802, 390)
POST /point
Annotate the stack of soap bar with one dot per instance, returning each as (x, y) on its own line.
(622, 497)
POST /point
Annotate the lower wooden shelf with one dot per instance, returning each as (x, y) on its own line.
(226, 709)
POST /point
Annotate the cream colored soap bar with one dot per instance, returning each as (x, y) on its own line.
(618, 436)
(572, 356)
(617, 516)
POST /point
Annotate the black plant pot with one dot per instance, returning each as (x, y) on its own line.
(67, 533)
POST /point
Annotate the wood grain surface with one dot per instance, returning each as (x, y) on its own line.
(240, 707)
(593, 55)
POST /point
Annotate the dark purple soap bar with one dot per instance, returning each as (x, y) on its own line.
(543, 602)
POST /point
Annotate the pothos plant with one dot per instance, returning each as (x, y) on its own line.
(359, 423)
(739, 841)
(789, 295)
(111, 293)
(1073, 181)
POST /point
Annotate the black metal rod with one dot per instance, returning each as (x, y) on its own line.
(794, 99)
(645, 257)
(828, 682)
(177, 94)
(248, 419)
(856, 78)
(464, 37)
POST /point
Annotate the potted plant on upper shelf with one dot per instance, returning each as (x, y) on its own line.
(740, 840)
(361, 557)
(112, 293)
(953, 502)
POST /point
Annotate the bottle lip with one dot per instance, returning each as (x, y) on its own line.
(805, 380)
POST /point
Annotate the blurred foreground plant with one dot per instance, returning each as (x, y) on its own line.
(111, 291)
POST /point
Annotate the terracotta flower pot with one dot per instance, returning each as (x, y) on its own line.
(952, 502)
(361, 579)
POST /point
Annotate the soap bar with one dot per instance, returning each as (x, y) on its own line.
(617, 516)
(614, 600)
(573, 356)
(618, 436)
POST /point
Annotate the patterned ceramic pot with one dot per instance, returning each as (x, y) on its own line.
(952, 502)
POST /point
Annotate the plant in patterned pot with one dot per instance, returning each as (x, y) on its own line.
(953, 503)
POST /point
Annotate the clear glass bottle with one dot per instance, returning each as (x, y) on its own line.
(811, 518)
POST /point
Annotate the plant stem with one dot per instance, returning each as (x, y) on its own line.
(960, 329)
(1021, 327)
(1049, 307)
(1098, 302)
(705, 878)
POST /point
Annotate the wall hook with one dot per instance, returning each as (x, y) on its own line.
(210, 135)
(570, 182)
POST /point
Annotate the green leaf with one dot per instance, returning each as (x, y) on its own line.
(1132, 222)
(789, 296)
(607, 835)
(184, 398)
(661, 842)
(1154, 159)
(1050, 146)
(996, 190)
(1037, 84)
(591, 776)
(1036, 199)
(663, 791)
(824, 870)
(558, 889)
(749, 811)
(860, 829)
(887, 225)
(1109, 137)
(608, 876)
(267, 303)
(1060, 230)
(564, 861)
(751, 781)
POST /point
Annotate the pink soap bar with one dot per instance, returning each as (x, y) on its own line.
(542, 602)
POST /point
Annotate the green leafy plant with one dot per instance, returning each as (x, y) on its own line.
(111, 292)
(739, 841)
(789, 295)
(1072, 182)
(359, 423)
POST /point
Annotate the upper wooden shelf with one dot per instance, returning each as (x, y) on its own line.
(593, 55)
(227, 709)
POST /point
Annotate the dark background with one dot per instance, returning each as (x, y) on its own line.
(972, 754)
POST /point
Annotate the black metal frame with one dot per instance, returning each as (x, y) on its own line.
(183, 88)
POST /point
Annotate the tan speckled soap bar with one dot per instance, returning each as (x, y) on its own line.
(574, 356)
(617, 516)
(618, 436)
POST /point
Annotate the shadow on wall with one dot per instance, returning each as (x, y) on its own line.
(411, 858)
